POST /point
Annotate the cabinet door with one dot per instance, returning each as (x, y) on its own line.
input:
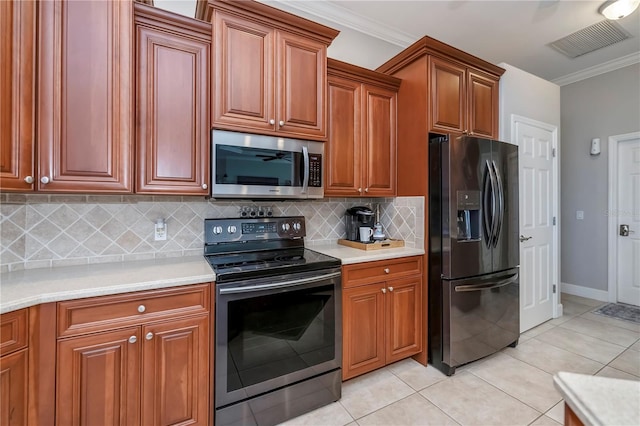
(173, 113)
(448, 96)
(301, 76)
(343, 150)
(17, 79)
(363, 337)
(85, 137)
(243, 64)
(404, 318)
(175, 386)
(99, 379)
(483, 105)
(14, 376)
(379, 135)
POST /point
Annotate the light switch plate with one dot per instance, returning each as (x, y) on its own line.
(579, 215)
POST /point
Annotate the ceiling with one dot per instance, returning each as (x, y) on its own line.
(515, 32)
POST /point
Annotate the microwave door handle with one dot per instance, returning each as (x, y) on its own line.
(305, 178)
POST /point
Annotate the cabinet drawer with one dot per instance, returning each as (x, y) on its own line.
(108, 312)
(381, 270)
(13, 331)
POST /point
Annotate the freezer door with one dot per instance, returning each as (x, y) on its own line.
(480, 316)
(465, 251)
(506, 248)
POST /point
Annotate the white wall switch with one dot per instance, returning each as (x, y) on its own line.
(579, 215)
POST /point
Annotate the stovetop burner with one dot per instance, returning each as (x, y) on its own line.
(239, 249)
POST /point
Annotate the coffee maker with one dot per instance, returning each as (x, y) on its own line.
(354, 218)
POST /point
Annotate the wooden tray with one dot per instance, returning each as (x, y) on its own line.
(377, 245)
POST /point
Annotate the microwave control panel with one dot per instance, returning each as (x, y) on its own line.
(315, 170)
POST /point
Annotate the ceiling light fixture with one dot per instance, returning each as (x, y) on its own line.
(618, 9)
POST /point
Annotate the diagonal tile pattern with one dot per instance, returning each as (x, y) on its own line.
(51, 230)
(512, 387)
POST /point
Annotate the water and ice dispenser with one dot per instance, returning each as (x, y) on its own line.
(468, 206)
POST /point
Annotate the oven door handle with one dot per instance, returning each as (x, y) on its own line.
(292, 283)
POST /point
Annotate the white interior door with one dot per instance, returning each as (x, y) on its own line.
(536, 146)
(628, 213)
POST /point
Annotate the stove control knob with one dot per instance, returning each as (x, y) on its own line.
(217, 230)
(297, 226)
(286, 226)
(232, 229)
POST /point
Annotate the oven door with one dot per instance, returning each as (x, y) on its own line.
(276, 331)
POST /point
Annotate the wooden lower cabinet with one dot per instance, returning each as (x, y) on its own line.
(14, 376)
(382, 320)
(151, 371)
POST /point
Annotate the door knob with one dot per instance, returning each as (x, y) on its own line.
(523, 238)
(625, 231)
(272, 121)
(29, 180)
(44, 180)
(281, 123)
(149, 336)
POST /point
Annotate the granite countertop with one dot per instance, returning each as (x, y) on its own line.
(21, 289)
(600, 400)
(349, 255)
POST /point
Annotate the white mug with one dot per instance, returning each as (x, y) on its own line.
(365, 234)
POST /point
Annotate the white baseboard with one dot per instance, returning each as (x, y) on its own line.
(589, 293)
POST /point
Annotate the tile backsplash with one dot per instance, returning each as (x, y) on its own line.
(39, 231)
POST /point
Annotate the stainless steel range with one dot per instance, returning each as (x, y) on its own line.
(278, 321)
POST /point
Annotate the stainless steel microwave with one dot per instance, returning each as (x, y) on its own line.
(257, 166)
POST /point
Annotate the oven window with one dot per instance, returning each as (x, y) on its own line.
(256, 166)
(273, 335)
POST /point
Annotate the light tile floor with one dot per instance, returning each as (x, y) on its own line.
(512, 387)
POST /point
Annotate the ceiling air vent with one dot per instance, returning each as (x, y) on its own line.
(591, 38)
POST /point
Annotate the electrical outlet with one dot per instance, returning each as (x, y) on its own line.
(579, 215)
(160, 233)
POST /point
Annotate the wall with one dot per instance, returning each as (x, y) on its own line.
(598, 107)
(39, 231)
(529, 96)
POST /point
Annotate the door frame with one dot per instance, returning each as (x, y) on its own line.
(515, 119)
(612, 245)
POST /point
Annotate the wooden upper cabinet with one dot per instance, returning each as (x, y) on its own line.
(380, 141)
(482, 104)
(172, 108)
(17, 82)
(85, 107)
(361, 148)
(448, 96)
(343, 151)
(269, 70)
(463, 100)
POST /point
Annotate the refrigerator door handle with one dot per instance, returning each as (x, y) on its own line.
(488, 204)
(479, 287)
(500, 210)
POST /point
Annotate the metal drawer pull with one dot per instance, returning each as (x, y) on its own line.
(479, 287)
(390, 288)
(291, 283)
(384, 290)
(386, 270)
(149, 336)
(141, 308)
(133, 339)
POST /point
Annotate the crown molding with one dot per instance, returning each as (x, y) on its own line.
(347, 18)
(603, 68)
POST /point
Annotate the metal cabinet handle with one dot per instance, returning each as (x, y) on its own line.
(384, 290)
(523, 238)
(29, 180)
(359, 189)
(205, 186)
(142, 308)
(366, 190)
(272, 121)
(133, 339)
(44, 180)
(149, 336)
(386, 270)
(390, 288)
(281, 123)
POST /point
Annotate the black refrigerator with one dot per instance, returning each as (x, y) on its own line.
(474, 307)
